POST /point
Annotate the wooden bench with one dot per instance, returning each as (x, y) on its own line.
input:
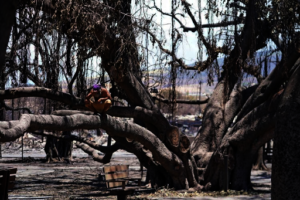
(7, 181)
(116, 178)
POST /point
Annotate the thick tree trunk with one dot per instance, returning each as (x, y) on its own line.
(7, 18)
(59, 149)
(121, 62)
(286, 151)
(240, 176)
(241, 144)
(286, 156)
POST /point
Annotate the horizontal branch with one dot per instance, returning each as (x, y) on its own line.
(95, 154)
(124, 112)
(151, 117)
(114, 127)
(71, 112)
(92, 144)
(183, 101)
(66, 98)
(213, 25)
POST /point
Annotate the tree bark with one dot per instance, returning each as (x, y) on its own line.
(52, 94)
(286, 152)
(59, 149)
(7, 18)
(168, 160)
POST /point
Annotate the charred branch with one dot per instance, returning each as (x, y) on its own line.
(95, 154)
(42, 92)
(270, 85)
(194, 29)
(116, 128)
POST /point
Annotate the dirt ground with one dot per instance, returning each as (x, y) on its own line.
(79, 179)
(76, 180)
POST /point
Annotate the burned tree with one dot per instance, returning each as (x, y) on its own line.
(111, 27)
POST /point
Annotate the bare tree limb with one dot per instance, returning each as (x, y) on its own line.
(92, 144)
(42, 92)
(160, 152)
(270, 85)
(95, 154)
(194, 29)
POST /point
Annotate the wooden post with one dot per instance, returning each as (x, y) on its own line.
(225, 173)
(4, 184)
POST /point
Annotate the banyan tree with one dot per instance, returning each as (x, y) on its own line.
(237, 120)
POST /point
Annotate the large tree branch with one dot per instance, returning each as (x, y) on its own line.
(66, 98)
(256, 128)
(95, 154)
(156, 119)
(242, 142)
(134, 147)
(28, 122)
(92, 144)
(270, 85)
(217, 118)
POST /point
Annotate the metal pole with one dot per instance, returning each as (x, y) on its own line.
(225, 173)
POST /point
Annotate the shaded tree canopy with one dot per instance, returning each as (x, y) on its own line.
(66, 34)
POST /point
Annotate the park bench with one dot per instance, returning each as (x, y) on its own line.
(116, 178)
(7, 181)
